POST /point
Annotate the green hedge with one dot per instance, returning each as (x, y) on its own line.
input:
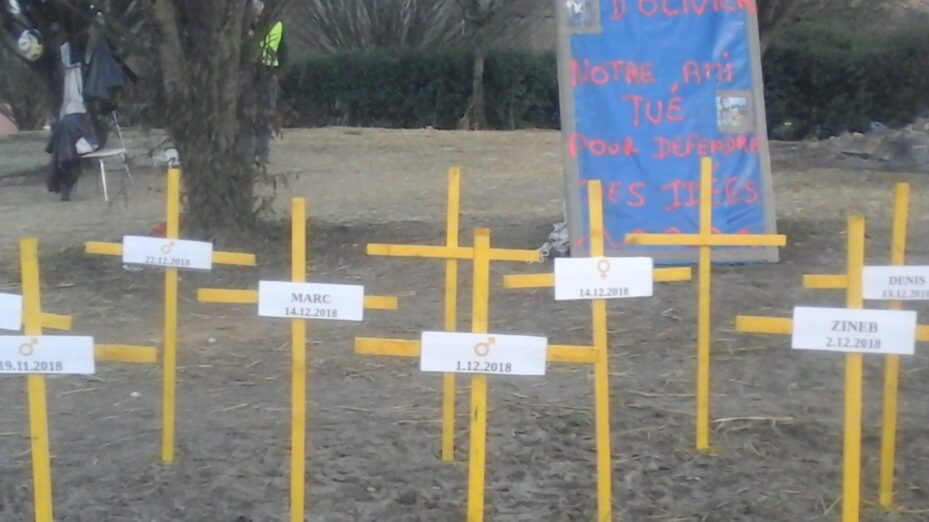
(418, 88)
(823, 81)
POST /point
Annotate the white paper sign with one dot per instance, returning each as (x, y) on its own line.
(856, 331)
(49, 354)
(452, 352)
(11, 312)
(891, 283)
(167, 253)
(603, 278)
(310, 301)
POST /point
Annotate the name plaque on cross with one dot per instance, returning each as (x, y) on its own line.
(490, 354)
(603, 278)
(854, 330)
(310, 301)
(169, 253)
(896, 283)
(47, 355)
(11, 312)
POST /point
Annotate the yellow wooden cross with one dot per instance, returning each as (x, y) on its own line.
(852, 282)
(34, 320)
(705, 241)
(482, 255)
(600, 346)
(452, 252)
(298, 352)
(891, 361)
(169, 362)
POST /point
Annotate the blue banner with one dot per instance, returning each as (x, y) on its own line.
(648, 88)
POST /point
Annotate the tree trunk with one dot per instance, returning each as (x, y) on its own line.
(478, 105)
(218, 182)
(205, 119)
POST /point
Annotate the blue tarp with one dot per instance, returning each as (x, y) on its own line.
(654, 85)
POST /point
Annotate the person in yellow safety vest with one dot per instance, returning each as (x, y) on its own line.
(262, 107)
(271, 45)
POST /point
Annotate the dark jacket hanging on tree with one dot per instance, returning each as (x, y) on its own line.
(106, 74)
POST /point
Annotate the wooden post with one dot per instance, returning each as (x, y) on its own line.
(892, 362)
(851, 471)
(600, 346)
(451, 311)
(169, 361)
(479, 324)
(601, 367)
(851, 281)
(705, 240)
(452, 253)
(38, 410)
(33, 321)
(299, 366)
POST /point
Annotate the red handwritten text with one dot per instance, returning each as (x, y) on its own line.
(656, 112)
(719, 72)
(695, 144)
(673, 8)
(578, 143)
(619, 9)
(732, 191)
(622, 71)
(622, 193)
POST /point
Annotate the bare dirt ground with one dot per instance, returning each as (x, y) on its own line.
(373, 439)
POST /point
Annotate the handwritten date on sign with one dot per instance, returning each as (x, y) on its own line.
(11, 312)
(855, 331)
(57, 354)
(603, 278)
(453, 352)
(168, 253)
(903, 283)
(310, 301)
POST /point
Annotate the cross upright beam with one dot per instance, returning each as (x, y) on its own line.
(705, 241)
(169, 362)
(452, 252)
(298, 336)
(600, 346)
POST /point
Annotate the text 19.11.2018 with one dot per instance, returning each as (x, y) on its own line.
(31, 366)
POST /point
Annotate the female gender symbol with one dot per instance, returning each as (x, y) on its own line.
(604, 268)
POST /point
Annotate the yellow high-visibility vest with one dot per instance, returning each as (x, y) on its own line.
(270, 45)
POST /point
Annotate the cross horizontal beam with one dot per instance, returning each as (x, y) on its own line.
(410, 348)
(716, 240)
(219, 258)
(784, 326)
(663, 275)
(226, 296)
(452, 252)
(56, 321)
(825, 282)
(125, 353)
(764, 325)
